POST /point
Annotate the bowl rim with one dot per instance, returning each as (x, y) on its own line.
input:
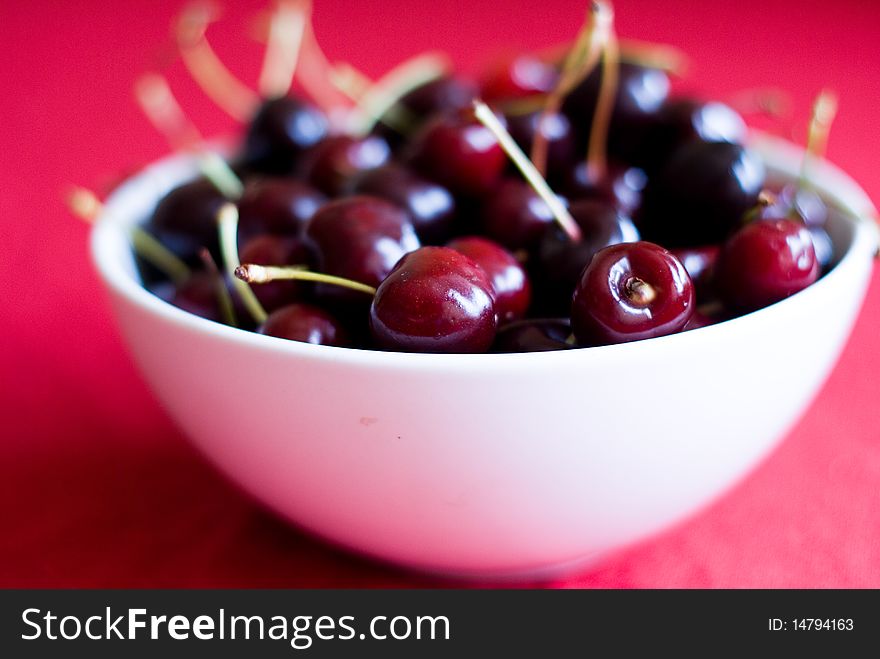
(780, 156)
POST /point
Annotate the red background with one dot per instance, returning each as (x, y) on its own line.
(97, 488)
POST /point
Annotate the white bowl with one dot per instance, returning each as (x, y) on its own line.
(495, 464)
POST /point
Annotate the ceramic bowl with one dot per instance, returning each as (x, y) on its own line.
(491, 465)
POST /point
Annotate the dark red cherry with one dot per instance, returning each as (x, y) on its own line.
(198, 296)
(699, 263)
(641, 92)
(185, 219)
(305, 323)
(281, 206)
(764, 262)
(359, 238)
(618, 184)
(267, 249)
(431, 207)
(282, 129)
(701, 194)
(519, 75)
(630, 292)
(556, 129)
(332, 165)
(683, 120)
(538, 335)
(460, 153)
(700, 319)
(515, 216)
(441, 96)
(435, 300)
(513, 292)
(558, 261)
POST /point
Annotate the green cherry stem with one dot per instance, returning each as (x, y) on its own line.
(263, 274)
(224, 299)
(227, 223)
(597, 149)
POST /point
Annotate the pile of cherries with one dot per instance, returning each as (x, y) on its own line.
(456, 252)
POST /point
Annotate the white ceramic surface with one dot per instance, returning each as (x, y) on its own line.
(490, 464)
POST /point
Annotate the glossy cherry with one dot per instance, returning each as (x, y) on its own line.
(282, 129)
(431, 207)
(444, 95)
(699, 263)
(641, 92)
(185, 219)
(435, 300)
(460, 153)
(620, 185)
(537, 335)
(305, 323)
(682, 120)
(281, 206)
(557, 131)
(332, 165)
(764, 262)
(558, 261)
(198, 296)
(516, 76)
(513, 291)
(630, 292)
(515, 216)
(701, 195)
(267, 249)
(360, 238)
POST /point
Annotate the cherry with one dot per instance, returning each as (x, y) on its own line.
(683, 120)
(269, 249)
(630, 292)
(277, 205)
(460, 153)
(282, 129)
(515, 216)
(797, 202)
(618, 184)
(556, 129)
(558, 261)
(518, 76)
(185, 219)
(764, 262)
(641, 91)
(430, 206)
(701, 194)
(701, 319)
(305, 323)
(538, 335)
(513, 292)
(435, 300)
(198, 296)
(332, 164)
(699, 262)
(359, 238)
(444, 95)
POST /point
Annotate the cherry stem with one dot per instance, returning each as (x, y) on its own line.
(86, 206)
(579, 63)
(660, 56)
(220, 174)
(314, 72)
(822, 115)
(227, 224)
(765, 199)
(286, 28)
(224, 299)
(206, 68)
(263, 274)
(597, 149)
(386, 92)
(640, 291)
(486, 117)
(355, 84)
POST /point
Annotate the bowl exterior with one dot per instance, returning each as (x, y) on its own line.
(487, 464)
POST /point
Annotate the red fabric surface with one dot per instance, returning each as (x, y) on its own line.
(98, 489)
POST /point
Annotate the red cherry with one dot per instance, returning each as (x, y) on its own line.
(764, 262)
(267, 249)
(513, 292)
(435, 300)
(306, 323)
(460, 153)
(277, 205)
(332, 165)
(518, 76)
(629, 292)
